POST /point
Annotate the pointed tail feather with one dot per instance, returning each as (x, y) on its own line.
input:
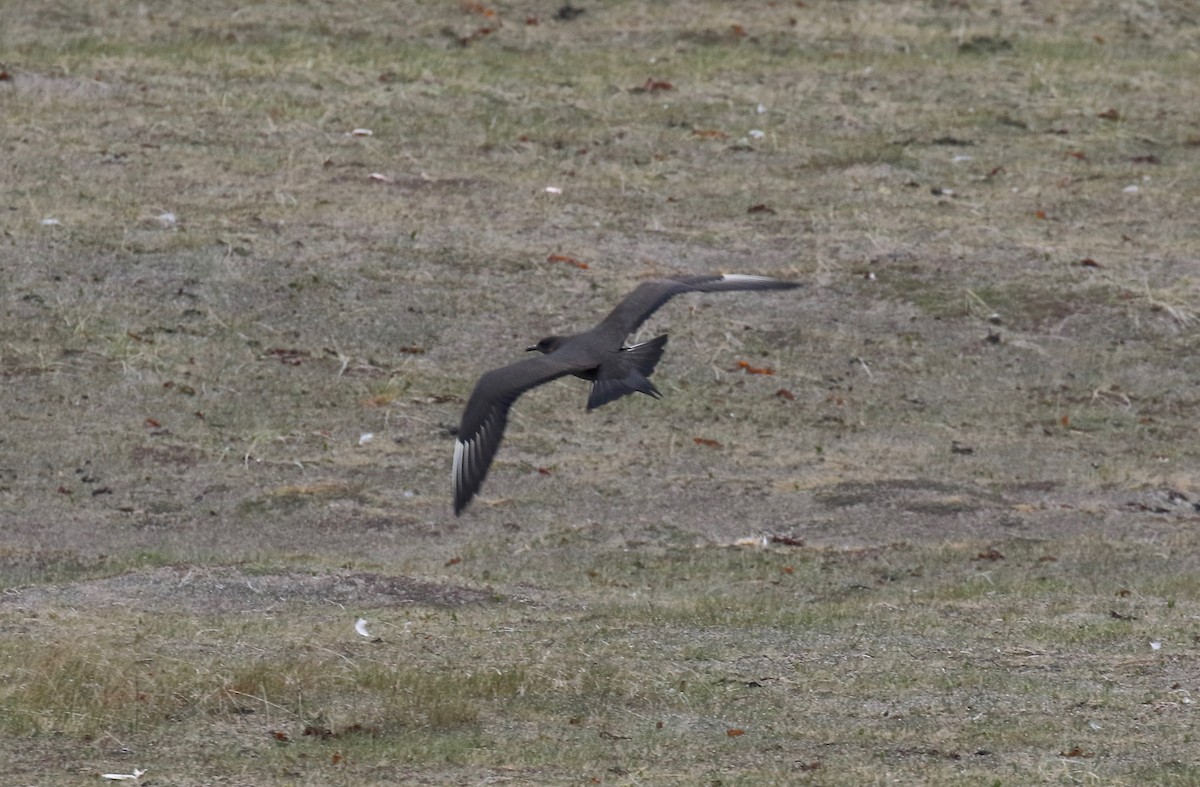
(607, 389)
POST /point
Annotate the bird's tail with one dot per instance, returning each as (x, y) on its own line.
(630, 375)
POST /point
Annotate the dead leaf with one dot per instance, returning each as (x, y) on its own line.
(706, 441)
(760, 208)
(784, 393)
(652, 86)
(569, 260)
(745, 366)
(734, 732)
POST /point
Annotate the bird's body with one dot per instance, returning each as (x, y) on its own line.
(598, 355)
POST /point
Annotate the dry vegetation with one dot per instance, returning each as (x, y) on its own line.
(952, 539)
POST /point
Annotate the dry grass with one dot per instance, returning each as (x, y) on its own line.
(936, 663)
(979, 472)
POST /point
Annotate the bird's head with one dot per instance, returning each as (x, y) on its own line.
(546, 346)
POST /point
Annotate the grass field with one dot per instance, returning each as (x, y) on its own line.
(952, 538)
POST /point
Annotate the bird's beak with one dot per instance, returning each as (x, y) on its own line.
(531, 348)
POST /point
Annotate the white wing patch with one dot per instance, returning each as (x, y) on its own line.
(469, 459)
(744, 278)
(457, 472)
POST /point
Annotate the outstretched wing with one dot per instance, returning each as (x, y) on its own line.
(483, 421)
(648, 296)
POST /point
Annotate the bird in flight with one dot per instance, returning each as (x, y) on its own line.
(598, 355)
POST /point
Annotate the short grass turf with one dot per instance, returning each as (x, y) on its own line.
(254, 257)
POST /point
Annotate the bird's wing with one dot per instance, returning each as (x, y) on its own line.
(648, 296)
(483, 421)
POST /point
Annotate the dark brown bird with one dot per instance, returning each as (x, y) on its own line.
(598, 355)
